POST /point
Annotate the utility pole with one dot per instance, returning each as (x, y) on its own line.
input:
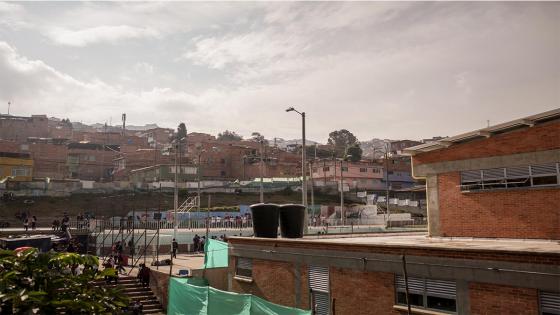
(303, 169)
(175, 194)
(312, 184)
(261, 171)
(387, 183)
(342, 212)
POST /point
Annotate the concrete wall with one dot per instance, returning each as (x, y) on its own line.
(159, 283)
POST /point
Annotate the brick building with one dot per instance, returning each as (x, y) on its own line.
(17, 166)
(500, 181)
(493, 190)
(19, 128)
(355, 175)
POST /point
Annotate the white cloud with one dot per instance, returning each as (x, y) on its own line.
(390, 70)
(83, 37)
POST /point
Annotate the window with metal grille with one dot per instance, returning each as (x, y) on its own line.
(549, 303)
(320, 291)
(427, 293)
(363, 170)
(511, 177)
(244, 267)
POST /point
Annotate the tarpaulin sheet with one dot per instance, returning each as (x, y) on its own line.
(215, 254)
(186, 298)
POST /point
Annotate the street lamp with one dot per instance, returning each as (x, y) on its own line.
(303, 168)
(176, 190)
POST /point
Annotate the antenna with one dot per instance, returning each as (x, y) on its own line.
(488, 123)
(123, 123)
(9, 104)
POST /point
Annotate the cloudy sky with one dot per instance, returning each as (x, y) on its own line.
(379, 69)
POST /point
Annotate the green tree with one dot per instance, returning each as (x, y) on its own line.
(229, 136)
(342, 140)
(41, 283)
(355, 153)
(181, 131)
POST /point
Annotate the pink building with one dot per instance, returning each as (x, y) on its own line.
(355, 175)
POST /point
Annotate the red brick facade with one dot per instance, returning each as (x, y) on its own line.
(538, 138)
(520, 213)
(490, 299)
(275, 282)
(362, 293)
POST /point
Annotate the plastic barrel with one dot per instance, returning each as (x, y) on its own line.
(292, 220)
(265, 219)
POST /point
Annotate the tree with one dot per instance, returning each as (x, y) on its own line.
(355, 152)
(342, 140)
(257, 137)
(181, 131)
(42, 283)
(229, 136)
(321, 152)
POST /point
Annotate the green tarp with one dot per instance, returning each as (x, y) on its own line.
(189, 299)
(215, 254)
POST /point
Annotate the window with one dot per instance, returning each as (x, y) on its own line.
(549, 303)
(375, 170)
(244, 267)
(222, 173)
(511, 177)
(427, 293)
(363, 170)
(544, 175)
(318, 277)
(326, 169)
(314, 170)
(21, 172)
(345, 168)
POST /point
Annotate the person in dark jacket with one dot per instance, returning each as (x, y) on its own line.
(175, 246)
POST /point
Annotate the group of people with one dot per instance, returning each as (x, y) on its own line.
(61, 225)
(198, 243)
(30, 221)
(229, 221)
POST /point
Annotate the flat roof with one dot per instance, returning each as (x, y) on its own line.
(484, 132)
(422, 241)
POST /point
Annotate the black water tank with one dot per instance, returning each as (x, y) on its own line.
(292, 220)
(265, 219)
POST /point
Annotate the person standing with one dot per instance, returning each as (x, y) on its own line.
(175, 246)
(26, 224)
(33, 222)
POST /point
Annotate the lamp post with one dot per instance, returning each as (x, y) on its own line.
(303, 168)
(176, 190)
(261, 166)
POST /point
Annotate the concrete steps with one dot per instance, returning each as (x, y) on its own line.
(134, 290)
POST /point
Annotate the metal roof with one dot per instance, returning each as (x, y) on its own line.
(529, 121)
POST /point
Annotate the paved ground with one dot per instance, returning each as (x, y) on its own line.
(422, 240)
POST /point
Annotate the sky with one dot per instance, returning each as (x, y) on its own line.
(391, 70)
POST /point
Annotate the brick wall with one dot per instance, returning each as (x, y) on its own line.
(275, 282)
(519, 213)
(538, 138)
(490, 299)
(356, 292)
